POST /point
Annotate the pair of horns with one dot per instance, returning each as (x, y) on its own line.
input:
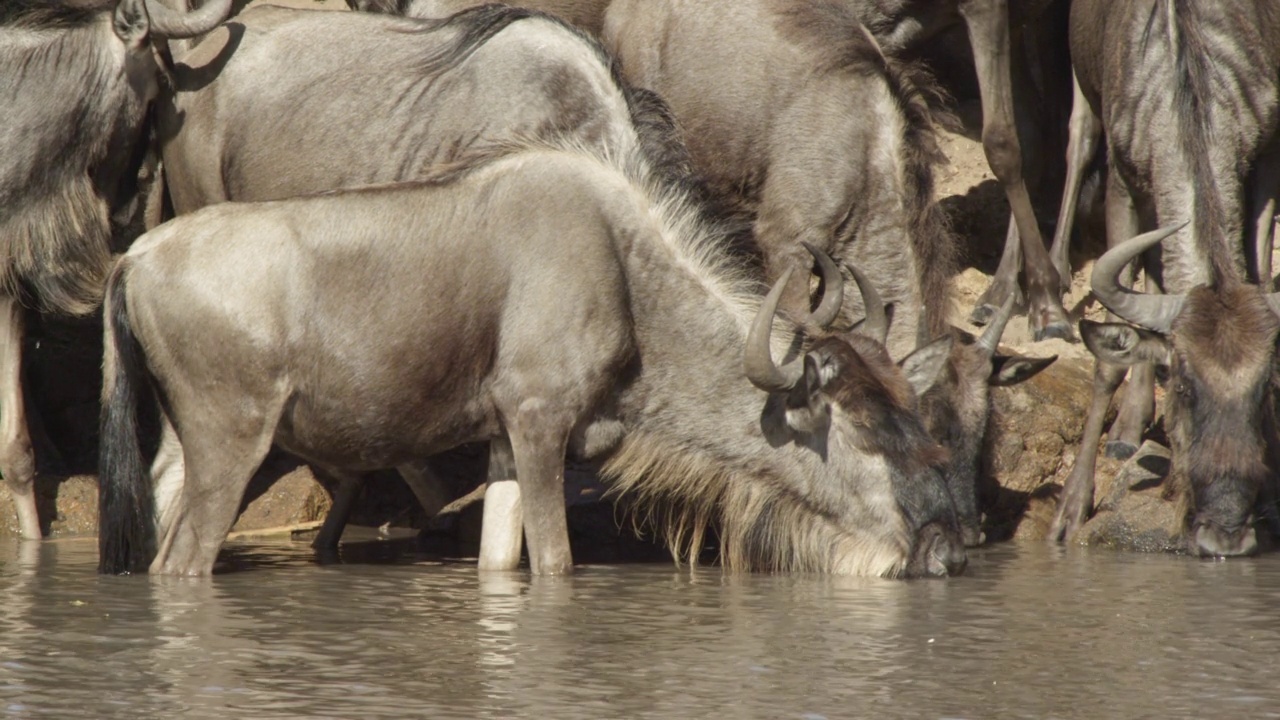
(164, 22)
(758, 361)
(1154, 312)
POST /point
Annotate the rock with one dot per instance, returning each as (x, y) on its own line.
(1135, 515)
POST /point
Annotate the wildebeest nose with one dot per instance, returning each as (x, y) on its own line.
(1211, 541)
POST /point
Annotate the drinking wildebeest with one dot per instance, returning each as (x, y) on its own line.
(1187, 96)
(586, 14)
(791, 110)
(545, 297)
(424, 92)
(76, 88)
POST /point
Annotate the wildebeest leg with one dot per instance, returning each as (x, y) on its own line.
(539, 435)
(427, 486)
(17, 458)
(988, 24)
(168, 474)
(1137, 402)
(221, 455)
(1084, 130)
(502, 525)
(347, 491)
(1266, 186)
(1076, 501)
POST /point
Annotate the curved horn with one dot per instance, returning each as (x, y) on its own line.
(833, 288)
(1154, 312)
(167, 23)
(758, 359)
(990, 339)
(876, 324)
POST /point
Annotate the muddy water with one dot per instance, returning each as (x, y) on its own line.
(1029, 632)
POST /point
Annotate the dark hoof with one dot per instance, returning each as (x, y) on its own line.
(1060, 330)
(1119, 449)
(982, 314)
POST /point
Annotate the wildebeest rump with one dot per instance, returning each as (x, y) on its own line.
(1188, 96)
(546, 296)
(75, 90)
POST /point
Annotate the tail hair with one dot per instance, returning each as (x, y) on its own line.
(126, 505)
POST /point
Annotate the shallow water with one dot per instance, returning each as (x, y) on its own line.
(1029, 631)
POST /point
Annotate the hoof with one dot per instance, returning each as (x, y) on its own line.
(1060, 330)
(1119, 449)
(982, 314)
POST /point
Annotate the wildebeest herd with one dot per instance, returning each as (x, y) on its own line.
(552, 228)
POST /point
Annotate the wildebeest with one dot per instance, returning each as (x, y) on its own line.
(543, 296)
(1187, 95)
(586, 14)
(271, 106)
(905, 27)
(76, 87)
(790, 110)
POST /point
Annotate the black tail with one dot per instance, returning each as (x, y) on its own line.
(126, 507)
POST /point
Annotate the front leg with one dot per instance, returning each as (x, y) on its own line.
(538, 442)
(17, 458)
(988, 25)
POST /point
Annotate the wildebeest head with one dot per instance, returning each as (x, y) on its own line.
(846, 389)
(79, 80)
(956, 410)
(1217, 347)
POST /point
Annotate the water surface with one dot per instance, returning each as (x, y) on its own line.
(1030, 631)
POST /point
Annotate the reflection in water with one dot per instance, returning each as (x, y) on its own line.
(1031, 631)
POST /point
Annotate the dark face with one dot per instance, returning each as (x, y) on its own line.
(881, 398)
(1219, 363)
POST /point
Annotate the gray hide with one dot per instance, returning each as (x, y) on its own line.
(74, 93)
(544, 296)
(1187, 95)
(586, 14)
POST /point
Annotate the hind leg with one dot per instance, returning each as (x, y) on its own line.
(17, 458)
(502, 527)
(219, 463)
(539, 435)
(344, 500)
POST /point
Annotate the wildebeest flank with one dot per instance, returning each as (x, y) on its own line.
(545, 296)
(1188, 95)
(74, 95)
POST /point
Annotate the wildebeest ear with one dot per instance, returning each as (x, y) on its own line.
(131, 22)
(1007, 370)
(1121, 344)
(806, 404)
(923, 366)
